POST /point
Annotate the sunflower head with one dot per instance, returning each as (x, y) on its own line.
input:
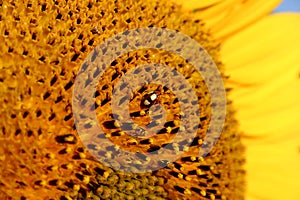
(43, 49)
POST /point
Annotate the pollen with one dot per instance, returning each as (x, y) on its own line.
(76, 187)
(43, 45)
(169, 129)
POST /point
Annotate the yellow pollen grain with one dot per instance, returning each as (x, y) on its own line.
(135, 126)
(187, 192)
(176, 122)
(186, 148)
(212, 197)
(151, 140)
(138, 162)
(69, 166)
(68, 149)
(180, 176)
(142, 112)
(76, 187)
(86, 179)
(117, 124)
(82, 155)
(43, 183)
(59, 183)
(199, 172)
(108, 155)
(51, 155)
(69, 138)
(132, 141)
(106, 174)
(169, 129)
(122, 133)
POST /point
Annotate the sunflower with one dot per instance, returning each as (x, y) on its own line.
(265, 78)
(43, 46)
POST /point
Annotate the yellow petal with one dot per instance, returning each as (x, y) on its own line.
(229, 16)
(214, 15)
(266, 90)
(196, 4)
(279, 88)
(266, 41)
(220, 9)
(264, 64)
(270, 108)
(273, 170)
(243, 14)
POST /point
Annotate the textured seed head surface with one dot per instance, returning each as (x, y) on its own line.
(43, 45)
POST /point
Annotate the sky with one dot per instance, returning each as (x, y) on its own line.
(289, 5)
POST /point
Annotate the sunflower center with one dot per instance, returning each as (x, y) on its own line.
(43, 46)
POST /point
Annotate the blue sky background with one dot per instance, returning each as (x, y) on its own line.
(289, 5)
